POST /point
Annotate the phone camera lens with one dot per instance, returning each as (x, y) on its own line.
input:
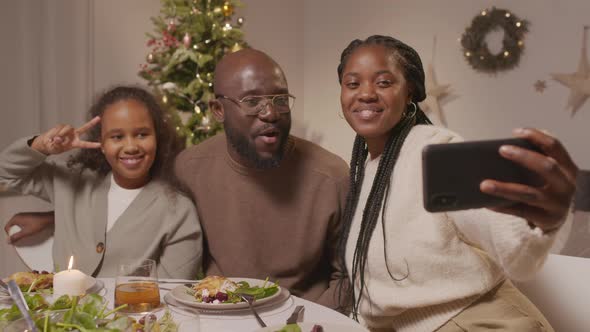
(445, 200)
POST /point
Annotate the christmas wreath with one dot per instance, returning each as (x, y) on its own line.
(475, 48)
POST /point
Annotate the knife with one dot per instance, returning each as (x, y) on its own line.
(19, 300)
(296, 315)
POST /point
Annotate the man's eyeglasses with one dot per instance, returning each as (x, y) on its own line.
(254, 105)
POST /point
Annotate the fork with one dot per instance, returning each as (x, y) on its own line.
(250, 300)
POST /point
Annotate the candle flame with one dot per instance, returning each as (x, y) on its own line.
(71, 262)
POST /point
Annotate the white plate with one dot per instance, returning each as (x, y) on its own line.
(36, 251)
(327, 327)
(180, 294)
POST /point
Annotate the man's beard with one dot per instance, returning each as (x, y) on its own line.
(247, 149)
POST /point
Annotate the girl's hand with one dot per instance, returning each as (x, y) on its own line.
(62, 138)
(545, 206)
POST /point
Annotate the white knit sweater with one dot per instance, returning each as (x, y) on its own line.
(453, 258)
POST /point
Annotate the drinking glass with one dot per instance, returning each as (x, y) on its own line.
(137, 287)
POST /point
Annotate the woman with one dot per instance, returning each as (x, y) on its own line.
(416, 271)
(116, 200)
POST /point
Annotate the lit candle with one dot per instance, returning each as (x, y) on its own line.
(70, 282)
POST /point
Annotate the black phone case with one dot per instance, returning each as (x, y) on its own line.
(453, 172)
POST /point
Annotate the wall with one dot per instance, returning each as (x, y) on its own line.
(484, 106)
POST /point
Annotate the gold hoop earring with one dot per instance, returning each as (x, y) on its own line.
(412, 112)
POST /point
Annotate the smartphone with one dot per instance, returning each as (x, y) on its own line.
(452, 173)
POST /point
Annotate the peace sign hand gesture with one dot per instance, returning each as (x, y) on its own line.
(62, 138)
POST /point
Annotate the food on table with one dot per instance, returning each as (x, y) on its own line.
(32, 281)
(221, 290)
(86, 314)
(296, 328)
(213, 289)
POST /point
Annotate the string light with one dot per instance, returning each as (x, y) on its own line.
(165, 99)
(467, 53)
(506, 53)
(518, 24)
(483, 13)
(507, 15)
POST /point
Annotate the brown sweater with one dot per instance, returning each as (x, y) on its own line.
(279, 223)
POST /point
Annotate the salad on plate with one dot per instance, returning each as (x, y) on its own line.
(81, 314)
(222, 290)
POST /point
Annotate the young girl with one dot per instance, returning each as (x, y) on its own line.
(417, 271)
(116, 200)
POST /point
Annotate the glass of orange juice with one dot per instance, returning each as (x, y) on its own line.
(137, 287)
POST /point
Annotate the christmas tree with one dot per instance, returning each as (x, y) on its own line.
(190, 37)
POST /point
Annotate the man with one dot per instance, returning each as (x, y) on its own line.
(269, 203)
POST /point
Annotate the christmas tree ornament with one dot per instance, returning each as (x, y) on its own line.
(171, 25)
(579, 81)
(169, 86)
(205, 121)
(475, 48)
(236, 47)
(240, 21)
(186, 40)
(228, 9)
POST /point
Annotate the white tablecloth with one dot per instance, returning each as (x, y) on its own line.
(245, 321)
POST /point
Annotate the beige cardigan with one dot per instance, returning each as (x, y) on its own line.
(159, 224)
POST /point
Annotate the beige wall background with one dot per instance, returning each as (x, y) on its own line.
(306, 38)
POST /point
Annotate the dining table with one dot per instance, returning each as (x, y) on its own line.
(243, 320)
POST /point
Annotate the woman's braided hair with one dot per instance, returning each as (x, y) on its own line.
(409, 60)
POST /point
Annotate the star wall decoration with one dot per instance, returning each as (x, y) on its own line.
(579, 81)
(540, 86)
(434, 92)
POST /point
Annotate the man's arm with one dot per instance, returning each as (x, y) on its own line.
(336, 296)
(30, 223)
